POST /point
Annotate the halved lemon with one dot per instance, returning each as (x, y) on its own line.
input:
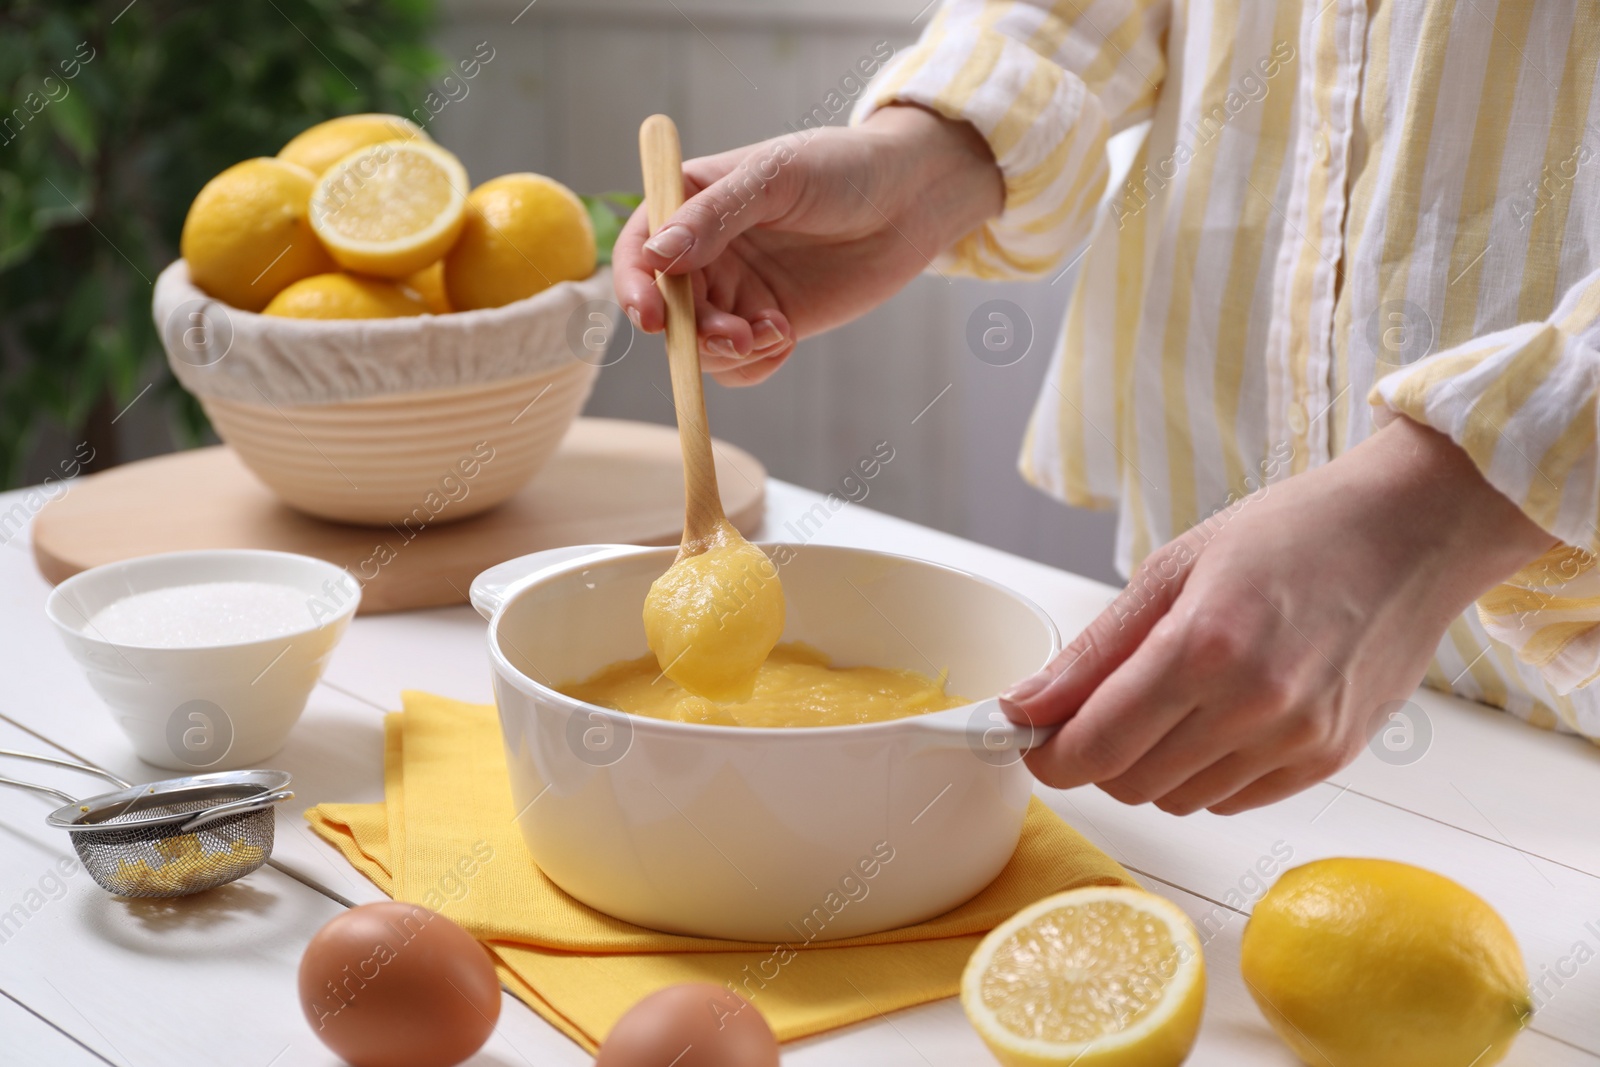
(390, 209)
(1104, 976)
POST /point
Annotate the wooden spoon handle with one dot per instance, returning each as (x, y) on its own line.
(662, 160)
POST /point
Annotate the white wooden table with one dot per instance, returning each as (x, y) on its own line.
(1507, 810)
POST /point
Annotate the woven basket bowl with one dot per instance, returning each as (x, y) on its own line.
(409, 453)
(377, 461)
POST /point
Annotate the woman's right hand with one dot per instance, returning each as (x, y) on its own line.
(796, 235)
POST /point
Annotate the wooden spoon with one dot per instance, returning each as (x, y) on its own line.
(704, 524)
(714, 615)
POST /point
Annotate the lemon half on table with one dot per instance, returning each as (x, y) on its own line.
(390, 209)
(1104, 976)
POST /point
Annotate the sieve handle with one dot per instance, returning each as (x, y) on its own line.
(58, 794)
(69, 764)
(234, 807)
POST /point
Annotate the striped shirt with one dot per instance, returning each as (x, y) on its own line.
(1342, 212)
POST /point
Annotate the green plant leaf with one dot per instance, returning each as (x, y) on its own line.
(71, 119)
(95, 186)
(607, 213)
(18, 234)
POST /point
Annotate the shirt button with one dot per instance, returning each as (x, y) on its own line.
(1297, 419)
(1325, 144)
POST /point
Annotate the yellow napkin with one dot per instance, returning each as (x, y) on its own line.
(446, 837)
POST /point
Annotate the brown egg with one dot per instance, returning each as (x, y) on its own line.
(396, 985)
(693, 1025)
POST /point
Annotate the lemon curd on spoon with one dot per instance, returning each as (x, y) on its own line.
(712, 618)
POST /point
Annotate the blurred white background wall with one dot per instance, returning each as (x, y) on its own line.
(569, 83)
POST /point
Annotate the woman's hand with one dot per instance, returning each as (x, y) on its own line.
(799, 234)
(1250, 658)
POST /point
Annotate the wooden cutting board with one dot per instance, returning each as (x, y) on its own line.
(611, 482)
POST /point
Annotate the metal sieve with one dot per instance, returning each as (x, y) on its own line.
(168, 838)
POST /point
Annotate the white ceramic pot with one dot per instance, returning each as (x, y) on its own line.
(773, 835)
(215, 707)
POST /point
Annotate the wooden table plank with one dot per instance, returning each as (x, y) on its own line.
(195, 981)
(1527, 794)
(1231, 861)
(28, 1040)
(145, 982)
(935, 1035)
(1234, 1033)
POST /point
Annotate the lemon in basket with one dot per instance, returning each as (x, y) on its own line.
(345, 296)
(523, 234)
(324, 144)
(390, 209)
(248, 234)
(429, 284)
(1104, 976)
(1382, 964)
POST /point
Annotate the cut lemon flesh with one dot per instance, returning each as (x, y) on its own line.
(1097, 977)
(390, 209)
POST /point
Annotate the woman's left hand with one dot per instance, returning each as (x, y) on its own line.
(1252, 657)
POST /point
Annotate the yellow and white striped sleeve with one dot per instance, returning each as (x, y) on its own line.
(1045, 83)
(1522, 403)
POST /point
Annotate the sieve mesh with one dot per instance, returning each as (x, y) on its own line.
(133, 842)
(144, 860)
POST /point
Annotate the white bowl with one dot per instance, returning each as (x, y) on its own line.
(774, 835)
(216, 707)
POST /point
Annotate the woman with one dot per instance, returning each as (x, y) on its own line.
(1330, 352)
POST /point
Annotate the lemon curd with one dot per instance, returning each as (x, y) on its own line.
(795, 686)
(712, 618)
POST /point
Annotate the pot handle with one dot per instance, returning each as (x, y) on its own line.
(492, 588)
(992, 737)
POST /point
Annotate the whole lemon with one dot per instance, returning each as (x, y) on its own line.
(345, 296)
(428, 283)
(523, 234)
(1372, 963)
(248, 234)
(324, 144)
